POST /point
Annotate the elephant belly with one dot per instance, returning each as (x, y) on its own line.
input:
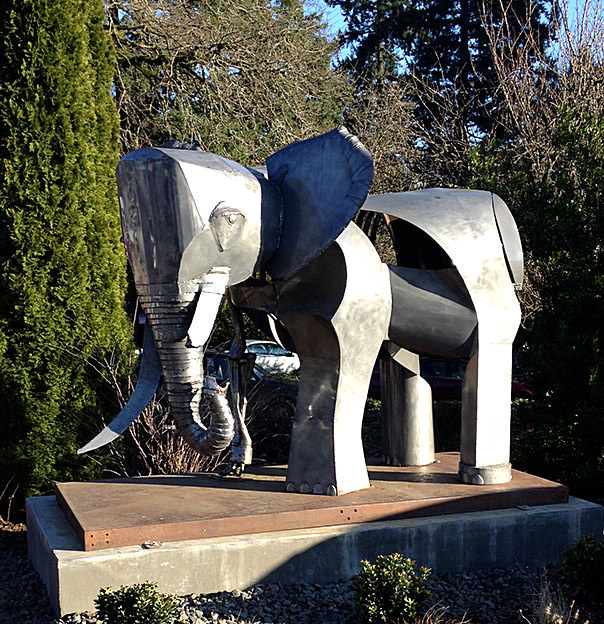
(432, 312)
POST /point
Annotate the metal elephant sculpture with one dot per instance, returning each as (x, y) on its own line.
(282, 242)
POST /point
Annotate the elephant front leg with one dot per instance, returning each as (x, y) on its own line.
(326, 452)
(338, 340)
(312, 458)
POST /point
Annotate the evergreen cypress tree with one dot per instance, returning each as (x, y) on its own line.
(445, 43)
(62, 267)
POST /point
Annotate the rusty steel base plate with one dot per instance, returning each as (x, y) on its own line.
(128, 512)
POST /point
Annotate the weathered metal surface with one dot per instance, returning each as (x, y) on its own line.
(185, 212)
(121, 512)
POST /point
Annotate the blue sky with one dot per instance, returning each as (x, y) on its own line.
(332, 15)
(335, 19)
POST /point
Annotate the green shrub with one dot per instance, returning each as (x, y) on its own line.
(583, 566)
(391, 590)
(135, 604)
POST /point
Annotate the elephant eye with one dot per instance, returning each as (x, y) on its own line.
(227, 225)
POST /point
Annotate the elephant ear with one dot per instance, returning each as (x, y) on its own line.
(323, 182)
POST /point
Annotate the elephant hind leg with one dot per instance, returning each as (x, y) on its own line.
(485, 416)
(407, 427)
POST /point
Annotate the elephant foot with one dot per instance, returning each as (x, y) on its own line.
(485, 475)
(306, 475)
(318, 465)
(317, 488)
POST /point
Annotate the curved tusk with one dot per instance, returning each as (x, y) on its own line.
(146, 385)
(211, 291)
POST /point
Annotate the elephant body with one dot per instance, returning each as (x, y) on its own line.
(333, 310)
(197, 225)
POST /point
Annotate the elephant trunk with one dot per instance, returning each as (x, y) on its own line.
(170, 317)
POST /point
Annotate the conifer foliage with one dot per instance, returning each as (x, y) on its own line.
(62, 267)
(444, 45)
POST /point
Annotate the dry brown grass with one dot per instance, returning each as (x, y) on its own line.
(553, 607)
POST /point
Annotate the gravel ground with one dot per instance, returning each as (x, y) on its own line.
(490, 597)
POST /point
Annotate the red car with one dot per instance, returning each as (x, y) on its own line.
(445, 378)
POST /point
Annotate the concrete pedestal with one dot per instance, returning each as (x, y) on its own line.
(524, 535)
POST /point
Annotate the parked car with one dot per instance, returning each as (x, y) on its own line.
(445, 377)
(272, 357)
(271, 406)
(215, 364)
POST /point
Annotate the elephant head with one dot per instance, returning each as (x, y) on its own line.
(195, 223)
